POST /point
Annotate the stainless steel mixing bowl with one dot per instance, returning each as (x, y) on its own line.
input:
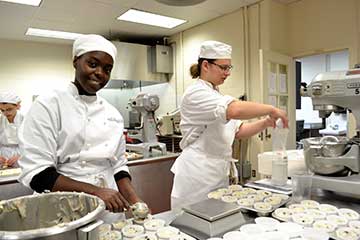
(329, 146)
(48, 216)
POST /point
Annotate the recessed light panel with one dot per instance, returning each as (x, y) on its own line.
(142, 17)
(26, 2)
(52, 34)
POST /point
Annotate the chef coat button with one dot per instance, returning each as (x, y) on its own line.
(89, 119)
(205, 126)
(101, 102)
(106, 144)
(83, 163)
(104, 123)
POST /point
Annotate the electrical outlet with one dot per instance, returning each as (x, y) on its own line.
(253, 173)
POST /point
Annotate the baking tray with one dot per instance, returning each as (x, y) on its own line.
(265, 213)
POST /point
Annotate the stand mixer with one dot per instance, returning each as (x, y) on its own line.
(335, 161)
(146, 104)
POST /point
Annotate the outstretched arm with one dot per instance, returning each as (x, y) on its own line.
(247, 110)
(247, 130)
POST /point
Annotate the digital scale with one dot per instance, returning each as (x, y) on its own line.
(209, 218)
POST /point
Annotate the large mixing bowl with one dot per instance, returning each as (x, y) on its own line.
(328, 146)
(48, 216)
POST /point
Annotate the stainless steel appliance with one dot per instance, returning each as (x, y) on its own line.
(146, 104)
(50, 216)
(335, 160)
(169, 123)
(209, 218)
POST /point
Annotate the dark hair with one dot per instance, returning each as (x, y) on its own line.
(195, 69)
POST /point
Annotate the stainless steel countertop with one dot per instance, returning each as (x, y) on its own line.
(168, 156)
(321, 196)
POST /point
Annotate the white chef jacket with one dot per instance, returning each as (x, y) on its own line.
(207, 140)
(81, 136)
(9, 144)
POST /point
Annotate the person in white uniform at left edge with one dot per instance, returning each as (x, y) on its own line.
(10, 120)
(72, 139)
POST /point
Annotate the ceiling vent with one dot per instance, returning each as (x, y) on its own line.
(180, 2)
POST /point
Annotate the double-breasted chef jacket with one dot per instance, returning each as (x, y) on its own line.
(81, 136)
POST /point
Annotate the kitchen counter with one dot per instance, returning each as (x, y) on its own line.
(168, 156)
(151, 178)
(321, 196)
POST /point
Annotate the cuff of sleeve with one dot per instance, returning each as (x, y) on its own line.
(238, 125)
(220, 110)
(44, 180)
(122, 174)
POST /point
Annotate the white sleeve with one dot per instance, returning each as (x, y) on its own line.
(238, 125)
(203, 107)
(119, 163)
(37, 140)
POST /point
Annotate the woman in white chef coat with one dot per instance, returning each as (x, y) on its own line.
(10, 120)
(71, 139)
(209, 123)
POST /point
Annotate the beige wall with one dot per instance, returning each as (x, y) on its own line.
(30, 68)
(324, 25)
(227, 29)
(274, 26)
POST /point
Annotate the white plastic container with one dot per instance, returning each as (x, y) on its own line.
(296, 162)
(279, 175)
(131, 231)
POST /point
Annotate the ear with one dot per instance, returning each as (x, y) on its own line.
(75, 61)
(205, 64)
(18, 105)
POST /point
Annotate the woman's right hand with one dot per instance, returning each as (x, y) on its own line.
(3, 161)
(114, 200)
(278, 113)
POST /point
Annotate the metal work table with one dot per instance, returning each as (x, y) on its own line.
(321, 196)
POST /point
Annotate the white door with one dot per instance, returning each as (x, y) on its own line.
(277, 86)
(278, 79)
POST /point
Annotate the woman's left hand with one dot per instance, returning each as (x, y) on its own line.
(269, 122)
(11, 161)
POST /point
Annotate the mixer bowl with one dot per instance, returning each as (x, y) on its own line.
(54, 215)
(328, 146)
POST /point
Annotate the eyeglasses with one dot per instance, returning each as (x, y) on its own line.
(7, 110)
(225, 68)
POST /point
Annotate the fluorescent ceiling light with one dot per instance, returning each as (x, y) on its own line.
(137, 16)
(52, 34)
(26, 2)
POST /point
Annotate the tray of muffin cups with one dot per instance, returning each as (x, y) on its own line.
(339, 223)
(146, 229)
(259, 201)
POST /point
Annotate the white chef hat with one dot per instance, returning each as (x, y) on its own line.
(93, 42)
(215, 50)
(9, 97)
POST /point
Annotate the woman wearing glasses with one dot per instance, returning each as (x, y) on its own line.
(209, 123)
(10, 120)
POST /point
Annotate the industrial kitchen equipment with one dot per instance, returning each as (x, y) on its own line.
(146, 104)
(169, 123)
(50, 216)
(209, 218)
(335, 160)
